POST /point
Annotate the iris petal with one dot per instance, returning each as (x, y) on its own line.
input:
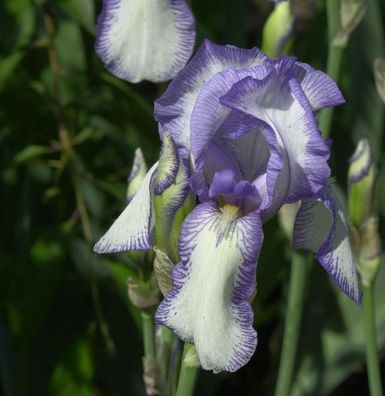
(320, 227)
(173, 110)
(281, 104)
(208, 304)
(132, 230)
(145, 39)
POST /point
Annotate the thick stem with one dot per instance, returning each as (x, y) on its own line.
(333, 16)
(148, 336)
(187, 380)
(189, 371)
(373, 366)
(292, 324)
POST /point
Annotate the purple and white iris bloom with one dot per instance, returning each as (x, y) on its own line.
(246, 125)
(145, 39)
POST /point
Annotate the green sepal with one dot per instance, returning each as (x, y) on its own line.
(173, 202)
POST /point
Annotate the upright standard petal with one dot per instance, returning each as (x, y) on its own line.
(320, 226)
(279, 101)
(132, 230)
(145, 39)
(321, 91)
(173, 110)
(209, 302)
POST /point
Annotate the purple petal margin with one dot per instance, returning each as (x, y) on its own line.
(248, 231)
(184, 22)
(334, 253)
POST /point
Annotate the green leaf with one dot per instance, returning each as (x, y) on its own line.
(8, 66)
(333, 338)
(82, 11)
(86, 261)
(30, 152)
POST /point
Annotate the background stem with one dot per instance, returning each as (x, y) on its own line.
(334, 59)
(148, 335)
(292, 323)
(373, 367)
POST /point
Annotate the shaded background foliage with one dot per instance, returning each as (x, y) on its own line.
(68, 131)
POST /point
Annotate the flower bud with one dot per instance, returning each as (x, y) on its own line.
(190, 357)
(361, 179)
(277, 30)
(173, 199)
(369, 251)
(141, 296)
(286, 218)
(351, 12)
(137, 174)
(379, 76)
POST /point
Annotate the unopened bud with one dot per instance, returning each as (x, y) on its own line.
(286, 218)
(277, 30)
(141, 296)
(361, 179)
(379, 76)
(190, 357)
(351, 12)
(369, 251)
(137, 174)
(173, 199)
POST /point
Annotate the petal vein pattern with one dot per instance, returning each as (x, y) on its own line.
(208, 304)
(320, 226)
(132, 230)
(145, 39)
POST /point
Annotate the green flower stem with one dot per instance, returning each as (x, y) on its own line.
(165, 341)
(333, 70)
(292, 324)
(374, 376)
(188, 375)
(148, 335)
(334, 59)
(333, 16)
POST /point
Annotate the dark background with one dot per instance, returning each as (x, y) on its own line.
(68, 131)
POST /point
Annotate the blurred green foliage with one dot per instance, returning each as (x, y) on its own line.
(68, 131)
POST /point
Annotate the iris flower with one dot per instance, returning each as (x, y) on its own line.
(127, 38)
(243, 127)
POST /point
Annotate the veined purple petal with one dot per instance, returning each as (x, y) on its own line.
(145, 39)
(132, 230)
(320, 226)
(208, 113)
(173, 110)
(281, 104)
(226, 187)
(208, 304)
(255, 146)
(320, 90)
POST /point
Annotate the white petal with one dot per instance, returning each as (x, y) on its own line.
(212, 285)
(320, 226)
(145, 39)
(132, 230)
